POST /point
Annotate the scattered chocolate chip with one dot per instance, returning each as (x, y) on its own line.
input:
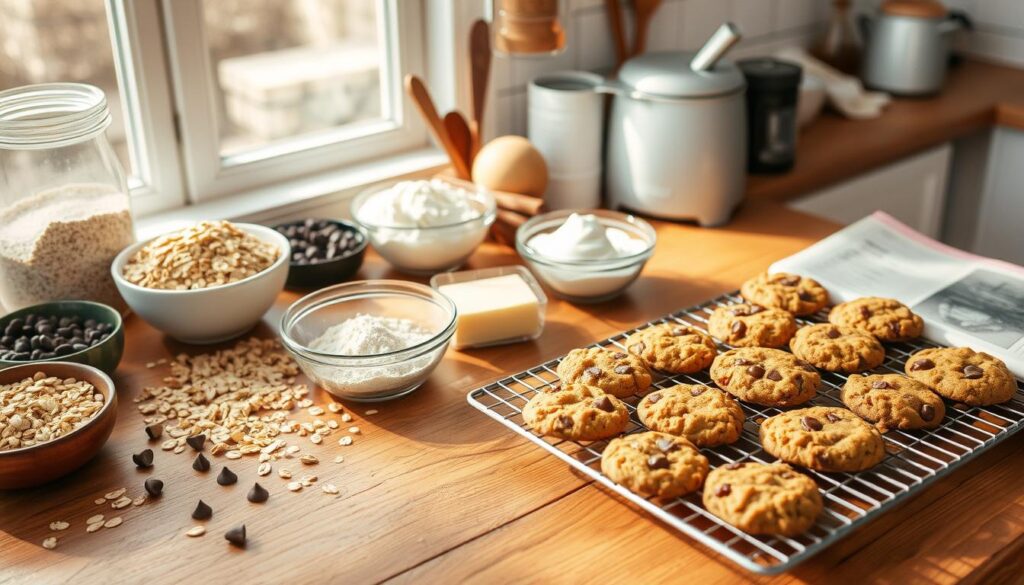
(226, 476)
(865, 312)
(697, 390)
(922, 364)
(604, 403)
(619, 355)
(653, 397)
(927, 412)
(657, 461)
(833, 417)
(740, 362)
(623, 369)
(196, 441)
(258, 494)
(739, 328)
(637, 347)
(201, 463)
(895, 328)
(833, 333)
(143, 459)
(973, 372)
(806, 296)
(202, 512)
(736, 465)
(880, 385)
(755, 371)
(236, 536)
(789, 280)
(593, 372)
(154, 432)
(666, 445)
(809, 423)
(774, 376)
(723, 490)
(154, 487)
(565, 421)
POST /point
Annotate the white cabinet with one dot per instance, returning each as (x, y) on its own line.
(998, 232)
(912, 190)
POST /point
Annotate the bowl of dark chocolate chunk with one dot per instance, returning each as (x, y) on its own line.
(81, 332)
(324, 251)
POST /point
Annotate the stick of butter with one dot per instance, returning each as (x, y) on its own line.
(502, 309)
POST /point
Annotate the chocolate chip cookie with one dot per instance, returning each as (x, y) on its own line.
(837, 348)
(962, 374)
(892, 401)
(761, 498)
(752, 326)
(770, 377)
(654, 464)
(616, 372)
(673, 348)
(886, 319)
(823, 438)
(577, 412)
(790, 292)
(706, 416)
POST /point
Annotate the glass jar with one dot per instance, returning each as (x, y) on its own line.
(64, 204)
(528, 27)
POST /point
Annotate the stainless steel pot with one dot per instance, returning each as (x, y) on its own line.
(677, 137)
(908, 46)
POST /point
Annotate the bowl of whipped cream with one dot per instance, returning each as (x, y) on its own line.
(426, 226)
(369, 340)
(586, 256)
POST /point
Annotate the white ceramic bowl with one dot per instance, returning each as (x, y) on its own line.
(810, 100)
(208, 315)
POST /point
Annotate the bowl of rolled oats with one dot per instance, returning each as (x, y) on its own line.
(54, 417)
(207, 283)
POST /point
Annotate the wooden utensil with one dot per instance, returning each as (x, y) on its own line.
(505, 226)
(421, 97)
(644, 10)
(519, 203)
(461, 137)
(480, 70)
(618, 32)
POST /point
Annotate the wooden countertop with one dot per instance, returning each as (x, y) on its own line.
(977, 96)
(436, 492)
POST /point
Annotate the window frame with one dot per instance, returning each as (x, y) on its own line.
(207, 177)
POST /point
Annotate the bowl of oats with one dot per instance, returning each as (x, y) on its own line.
(54, 417)
(207, 283)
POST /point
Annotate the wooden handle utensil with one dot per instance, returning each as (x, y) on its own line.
(421, 97)
(480, 70)
(645, 9)
(461, 136)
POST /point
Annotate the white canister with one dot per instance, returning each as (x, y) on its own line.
(566, 124)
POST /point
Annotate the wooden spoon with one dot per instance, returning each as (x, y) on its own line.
(421, 97)
(480, 69)
(461, 137)
(645, 9)
(618, 32)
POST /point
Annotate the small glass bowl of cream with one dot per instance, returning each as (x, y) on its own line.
(426, 226)
(586, 256)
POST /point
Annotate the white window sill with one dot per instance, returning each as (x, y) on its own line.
(321, 195)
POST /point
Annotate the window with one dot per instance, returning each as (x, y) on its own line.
(217, 97)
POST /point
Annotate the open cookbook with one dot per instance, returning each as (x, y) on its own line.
(965, 300)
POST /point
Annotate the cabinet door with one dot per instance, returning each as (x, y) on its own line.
(912, 190)
(998, 232)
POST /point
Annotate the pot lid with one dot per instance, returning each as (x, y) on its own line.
(668, 74)
(915, 8)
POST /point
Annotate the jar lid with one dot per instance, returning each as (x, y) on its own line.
(915, 8)
(668, 74)
(771, 74)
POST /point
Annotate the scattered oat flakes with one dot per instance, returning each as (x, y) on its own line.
(169, 444)
(293, 449)
(345, 441)
(113, 522)
(294, 486)
(100, 501)
(334, 407)
(264, 469)
(59, 525)
(346, 417)
(339, 459)
(330, 488)
(316, 438)
(94, 526)
(309, 459)
(122, 502)
(115, 494)
(94, 519)
(139, 500)
(233, 454)
(284, 473)
(50, 543)
(196, 531)
(332, 424)
(372, 411)
(315, 411)
(354, 430)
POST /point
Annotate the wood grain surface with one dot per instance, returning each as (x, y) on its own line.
(435, 492)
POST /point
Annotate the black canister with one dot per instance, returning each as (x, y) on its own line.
(772, 88)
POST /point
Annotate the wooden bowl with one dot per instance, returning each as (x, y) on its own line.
(38, 464)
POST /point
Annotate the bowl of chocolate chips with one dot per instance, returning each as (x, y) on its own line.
(324, 251)
(82, 332)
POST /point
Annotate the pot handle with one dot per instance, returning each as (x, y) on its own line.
(957, 20)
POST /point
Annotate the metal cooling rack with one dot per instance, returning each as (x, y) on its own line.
(914, 458)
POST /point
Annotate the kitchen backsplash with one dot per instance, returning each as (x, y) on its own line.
(767, 25)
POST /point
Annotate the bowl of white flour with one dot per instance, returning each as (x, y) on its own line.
(369, 340)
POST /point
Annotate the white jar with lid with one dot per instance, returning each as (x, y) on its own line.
(64, 204)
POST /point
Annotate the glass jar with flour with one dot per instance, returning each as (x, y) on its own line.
(64, 205)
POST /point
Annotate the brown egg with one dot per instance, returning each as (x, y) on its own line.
(511, 163)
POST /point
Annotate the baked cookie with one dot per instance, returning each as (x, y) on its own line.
(654, 464)
(837, 348)
(616, 372)
(892, 401)
(761, 498)
(770, 377)
(962, 374)
(577, 412)
(823, 438)
(705, 416)
(674, 348)
(886, 319)
(752, 326)
(790, 292)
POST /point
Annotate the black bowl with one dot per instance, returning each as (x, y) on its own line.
(105, 355)
(328, 272)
